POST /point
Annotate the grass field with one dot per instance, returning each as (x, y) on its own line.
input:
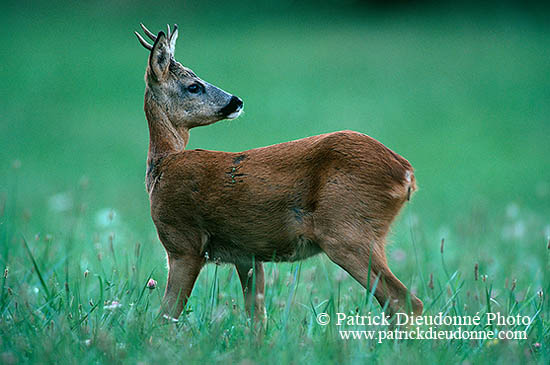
(464, 96)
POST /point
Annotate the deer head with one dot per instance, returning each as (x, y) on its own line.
(177, 93)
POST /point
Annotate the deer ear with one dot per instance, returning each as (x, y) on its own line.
(173, 39)
(159, 59)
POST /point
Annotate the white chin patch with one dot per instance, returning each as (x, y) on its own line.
(235, 114)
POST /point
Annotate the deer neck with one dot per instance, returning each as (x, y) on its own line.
(164, 138)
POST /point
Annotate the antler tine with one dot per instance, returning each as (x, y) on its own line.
(143, 41)
(148, 32)
(168, 34)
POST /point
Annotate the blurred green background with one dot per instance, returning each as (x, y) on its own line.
(463, 92)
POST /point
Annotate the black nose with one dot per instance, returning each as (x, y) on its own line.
(235, 104)
(238, 101)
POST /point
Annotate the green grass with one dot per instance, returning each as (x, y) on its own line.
(464, 97)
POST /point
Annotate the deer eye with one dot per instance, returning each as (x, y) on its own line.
(194, 88)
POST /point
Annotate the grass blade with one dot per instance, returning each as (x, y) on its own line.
(36, 268)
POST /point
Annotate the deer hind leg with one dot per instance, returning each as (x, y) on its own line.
(252, 280)
(353, 257)
(182, 273)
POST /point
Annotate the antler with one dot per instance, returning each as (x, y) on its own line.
(143, 41)
(171, 35)
(148, 32)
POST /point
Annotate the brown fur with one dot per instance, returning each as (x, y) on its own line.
(335, 193)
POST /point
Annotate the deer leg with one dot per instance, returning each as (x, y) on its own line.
(354, 258)
(182, 273)
(392, 290)
(252, 280)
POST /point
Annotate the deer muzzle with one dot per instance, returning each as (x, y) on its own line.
(233, 109)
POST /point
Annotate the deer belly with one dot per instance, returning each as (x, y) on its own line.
(235, 251)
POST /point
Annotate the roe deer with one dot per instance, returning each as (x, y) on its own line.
(335, 193)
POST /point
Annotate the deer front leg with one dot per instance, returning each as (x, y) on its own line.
(182, 273)
(252, 280)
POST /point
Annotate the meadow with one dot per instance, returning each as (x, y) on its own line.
(463, 95)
